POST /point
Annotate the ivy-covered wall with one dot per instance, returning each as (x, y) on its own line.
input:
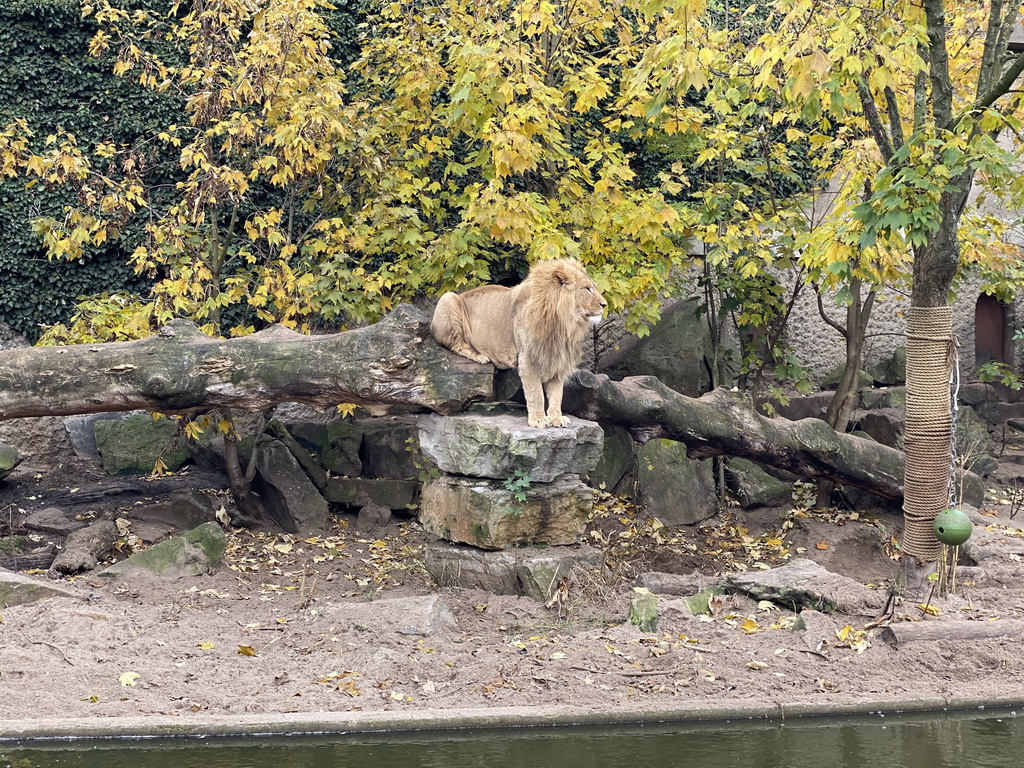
(48, 78)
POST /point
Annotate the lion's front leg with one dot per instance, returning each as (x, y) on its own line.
(553, 390)
(534, 392)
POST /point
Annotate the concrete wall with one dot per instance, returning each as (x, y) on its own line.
(822, 349)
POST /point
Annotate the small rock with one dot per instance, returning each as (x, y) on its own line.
(643, 610)
(198, 552)
(17, 589)
(372, 517)
(818, 630)
(183, 510)
(85, 547)
(423, 616)
(53, 521)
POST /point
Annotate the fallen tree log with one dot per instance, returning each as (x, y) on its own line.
(725, 423)
(395, 361)
(181, 370)
(898, 635)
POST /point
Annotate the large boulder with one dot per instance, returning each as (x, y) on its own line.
(390, 448)
(10, 458)
(504, 446)
(135, 445)
(972, 442)
(678, 351)
(342, 446)
(672, 487)
(892, 370)
(752, 486)
(291, 498)
(883, 425)
(618, 458)
(883, 397)
(336, 444)
(831, 380)
(81, 430)
(495, 515)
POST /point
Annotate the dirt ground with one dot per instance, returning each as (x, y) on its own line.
(336, 622)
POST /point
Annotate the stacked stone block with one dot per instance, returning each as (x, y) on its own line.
(504, 483)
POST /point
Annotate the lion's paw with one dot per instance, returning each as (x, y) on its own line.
(537, 421)
(558, 421)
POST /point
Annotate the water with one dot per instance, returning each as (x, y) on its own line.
(974, 740)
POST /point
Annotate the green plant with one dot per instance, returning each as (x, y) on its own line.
(518, 484)
(994, 371)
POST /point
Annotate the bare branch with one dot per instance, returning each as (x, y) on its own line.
(867, 102)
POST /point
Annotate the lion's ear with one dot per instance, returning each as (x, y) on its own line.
(561, 275)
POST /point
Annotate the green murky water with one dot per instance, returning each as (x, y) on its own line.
(973, 740)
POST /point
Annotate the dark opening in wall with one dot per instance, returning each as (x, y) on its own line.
(990, 331)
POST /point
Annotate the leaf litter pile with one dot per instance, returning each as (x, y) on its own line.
(352, 621)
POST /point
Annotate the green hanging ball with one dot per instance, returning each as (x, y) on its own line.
(952, 527)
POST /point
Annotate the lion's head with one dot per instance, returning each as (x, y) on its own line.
(561, 303)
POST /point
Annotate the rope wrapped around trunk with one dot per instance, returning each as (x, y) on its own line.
(928, 430)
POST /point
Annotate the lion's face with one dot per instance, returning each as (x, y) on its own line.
(589, 301)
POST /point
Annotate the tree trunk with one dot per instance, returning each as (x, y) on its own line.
(839, 410)
(931, 354)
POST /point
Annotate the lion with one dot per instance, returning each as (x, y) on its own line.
(536, 327)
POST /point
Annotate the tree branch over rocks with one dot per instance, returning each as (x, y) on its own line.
(725, 423)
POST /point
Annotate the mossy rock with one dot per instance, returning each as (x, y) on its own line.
(135, 445)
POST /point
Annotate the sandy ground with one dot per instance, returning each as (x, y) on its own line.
(350, 622)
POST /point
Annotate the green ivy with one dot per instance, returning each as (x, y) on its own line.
(48, 78)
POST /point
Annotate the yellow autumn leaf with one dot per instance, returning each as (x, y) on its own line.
(750, 626)
(246, 650)
(205, 645)
(128, 678)
(821, 545)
